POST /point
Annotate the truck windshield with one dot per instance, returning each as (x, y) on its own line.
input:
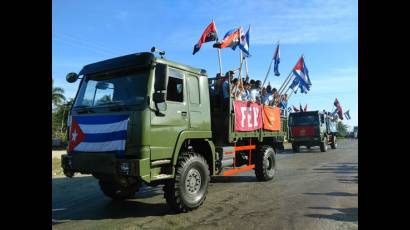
(127, 88)
(304, 120)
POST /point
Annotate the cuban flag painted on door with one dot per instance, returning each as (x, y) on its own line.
(98, 133)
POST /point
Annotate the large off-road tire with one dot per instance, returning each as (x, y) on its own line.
(118, 192)
(295, 148)
(189, 188)
(323, 145)
(265, 163)
(334, 143)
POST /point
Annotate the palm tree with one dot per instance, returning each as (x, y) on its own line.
(57, 94)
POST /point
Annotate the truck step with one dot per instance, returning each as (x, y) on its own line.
(162, 176)
(160, 162)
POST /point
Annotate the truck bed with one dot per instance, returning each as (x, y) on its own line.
(226, 134)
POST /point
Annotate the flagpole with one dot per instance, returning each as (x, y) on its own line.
(288, 97)
(267, 74)
(240, 64)
(240, 72)
(285, 83)
(219, 51)
(219, 61)
(270, 66)
(287, 80)
(246, 67)
(287, 88)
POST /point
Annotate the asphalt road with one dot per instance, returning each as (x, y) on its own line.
(312, 190)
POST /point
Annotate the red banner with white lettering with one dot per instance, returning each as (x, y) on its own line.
(271, 118)
(248, 116)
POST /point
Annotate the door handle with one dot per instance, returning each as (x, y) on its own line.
(183, 114)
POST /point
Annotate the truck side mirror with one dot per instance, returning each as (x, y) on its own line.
(158, 97)
(71, 77)
(161, 77)
(159, 101)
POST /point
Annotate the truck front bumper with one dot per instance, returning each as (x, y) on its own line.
(106, 164)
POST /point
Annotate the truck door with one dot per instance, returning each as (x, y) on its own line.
(196, 118)
(165, 129)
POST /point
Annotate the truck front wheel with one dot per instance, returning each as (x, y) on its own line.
(118, 192)
(265, 163)
(188, 190)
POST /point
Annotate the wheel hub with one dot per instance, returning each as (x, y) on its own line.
(268, 163)
(193, 181)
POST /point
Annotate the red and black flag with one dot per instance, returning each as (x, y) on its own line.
(305, 109)
(208, 35)
(231, 39)
(339, 109)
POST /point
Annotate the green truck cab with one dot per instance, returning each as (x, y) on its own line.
(141, 119)
(312, 128)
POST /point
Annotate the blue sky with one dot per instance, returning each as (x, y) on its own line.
(326, 32)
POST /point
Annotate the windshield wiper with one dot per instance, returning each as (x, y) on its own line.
(84, 109)
(80, 106)
(115, 105)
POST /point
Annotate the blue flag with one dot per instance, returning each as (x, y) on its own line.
(244, 42)
(276, 59)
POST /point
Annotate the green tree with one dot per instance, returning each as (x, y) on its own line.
(60, 116)
(342, 129)
(57, 95)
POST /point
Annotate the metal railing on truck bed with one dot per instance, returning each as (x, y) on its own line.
(219, 124)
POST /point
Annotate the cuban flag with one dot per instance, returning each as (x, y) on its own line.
(294, 85)
(244, 42)
(347, 115)
(231, 39)
(301, 77)
(276, 59)
(289, 109)
(98, 133)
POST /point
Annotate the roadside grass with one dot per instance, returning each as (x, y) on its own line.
(56, 167)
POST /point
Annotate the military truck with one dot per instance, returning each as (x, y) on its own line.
(142, 119)
(312, 128)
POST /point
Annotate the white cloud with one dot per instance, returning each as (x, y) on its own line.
(292, 22)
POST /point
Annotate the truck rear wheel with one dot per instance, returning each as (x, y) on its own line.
(118, 192)
(189, 188)
(334, 144)
(295, 148)
(265, 163)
